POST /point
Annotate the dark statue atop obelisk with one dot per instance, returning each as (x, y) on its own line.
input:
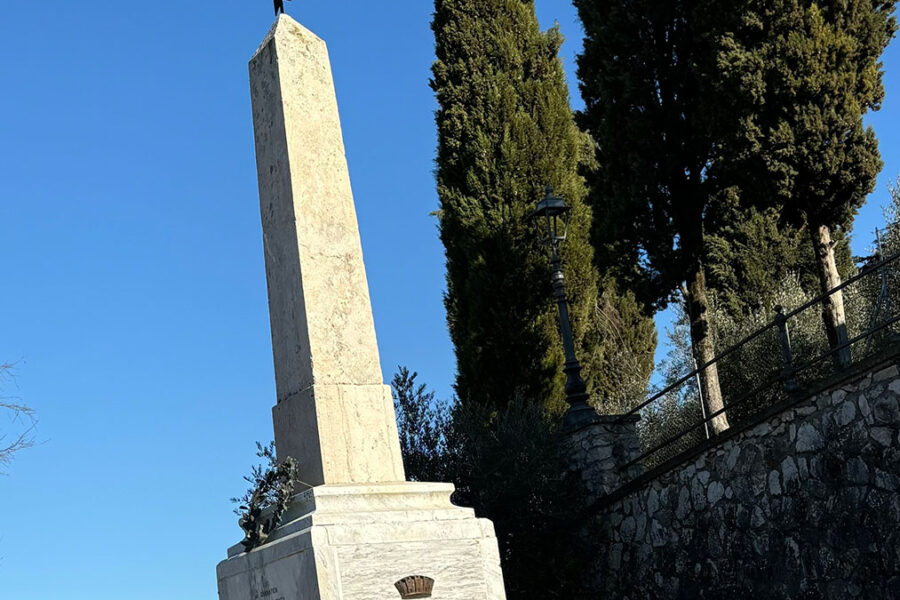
(279, 7)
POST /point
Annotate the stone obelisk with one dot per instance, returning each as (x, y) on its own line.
(334, 414)
(359, 531)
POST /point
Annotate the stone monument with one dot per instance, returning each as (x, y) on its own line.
(357, 530)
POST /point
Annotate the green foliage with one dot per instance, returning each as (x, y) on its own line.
(654, 106)
(740, 372)
(890, 236)
(271, 488)
(753, 250)
(628, 343)
(721, 130)
(505, 130)
(507, 464)
(818, 71)
(660, 115)
(893, 212)
(509, 467)
(883, 290)
(757, 361)
(815, 72)
(760, 360)
(422, 423)
(810, 72)
(678, 409)
(750, 252)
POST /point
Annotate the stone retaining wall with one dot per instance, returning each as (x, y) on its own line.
(803, 505)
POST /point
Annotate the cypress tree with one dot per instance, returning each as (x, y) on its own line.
(659, 114)
(505, 130)
(817, 64)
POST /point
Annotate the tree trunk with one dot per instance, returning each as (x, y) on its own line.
(702, 343)
(833, 305)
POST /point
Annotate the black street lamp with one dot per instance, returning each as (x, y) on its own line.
(552, 215)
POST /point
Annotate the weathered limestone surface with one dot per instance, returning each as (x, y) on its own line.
(804, 505)
(335, 432)
(334, 415)
(355, 542)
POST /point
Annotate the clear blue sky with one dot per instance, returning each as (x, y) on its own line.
(133, 292)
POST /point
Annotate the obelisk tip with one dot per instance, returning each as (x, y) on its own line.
(286, 25)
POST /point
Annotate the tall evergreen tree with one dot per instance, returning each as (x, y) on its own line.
(505, 130)
(813, 71)
(658, 113)
(814, 68)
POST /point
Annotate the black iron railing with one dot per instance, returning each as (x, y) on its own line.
(768, 367)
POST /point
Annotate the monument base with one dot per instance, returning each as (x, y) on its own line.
(355, 542)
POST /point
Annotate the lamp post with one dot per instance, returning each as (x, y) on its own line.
(552, 215)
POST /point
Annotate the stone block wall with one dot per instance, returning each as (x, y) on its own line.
(602, 451)
(803, 505)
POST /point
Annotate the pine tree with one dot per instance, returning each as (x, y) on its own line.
(659, 113)
(505, 130)
(815, 71)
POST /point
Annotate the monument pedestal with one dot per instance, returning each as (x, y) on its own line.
(354, 542)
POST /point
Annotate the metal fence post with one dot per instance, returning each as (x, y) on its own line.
(787, 372)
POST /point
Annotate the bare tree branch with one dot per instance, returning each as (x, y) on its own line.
(17, 413)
